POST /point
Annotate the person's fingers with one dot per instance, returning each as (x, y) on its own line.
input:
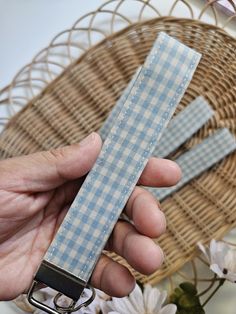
(58, 199)
(48, 169)
(140, 251)
(160, 172)
(112, 278)
(144, 210)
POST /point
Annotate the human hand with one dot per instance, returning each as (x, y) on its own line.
(37, 190)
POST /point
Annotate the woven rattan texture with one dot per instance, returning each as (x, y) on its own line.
(79, 100)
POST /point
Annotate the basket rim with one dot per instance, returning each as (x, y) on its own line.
(110, 37)
(101, 43)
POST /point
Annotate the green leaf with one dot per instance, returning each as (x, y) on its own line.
(199, 310)
(188, 287)
(188, 301)
(173, 298)
(195, 310)
(178, 292)
(182, 311)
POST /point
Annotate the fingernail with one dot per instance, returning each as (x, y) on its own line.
(87, 140)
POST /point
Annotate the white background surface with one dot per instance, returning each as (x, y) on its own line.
(27, 26)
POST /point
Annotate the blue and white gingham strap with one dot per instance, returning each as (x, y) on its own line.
(183, 126)
(147, 110)
(180, 128)
(109, 122)
(200, 158)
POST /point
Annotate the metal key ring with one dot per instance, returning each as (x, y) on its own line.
(73, 308)
(58, 309)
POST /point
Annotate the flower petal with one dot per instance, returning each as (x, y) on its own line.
(151, 300)
(231, 276)
(123, 306)
(204, 251)
(146, 293)
(137, 299)
(216, 252)
(168, 309)
(217, 270)
(230, 260)
(162, 297)
(115, 305)
(105, 308)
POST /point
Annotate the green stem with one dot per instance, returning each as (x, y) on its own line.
(209, 287)
(221, 282)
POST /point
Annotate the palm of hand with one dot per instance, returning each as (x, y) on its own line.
(28, 223)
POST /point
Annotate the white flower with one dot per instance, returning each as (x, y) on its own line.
(222, 259)
(92, 308)
(148, 302)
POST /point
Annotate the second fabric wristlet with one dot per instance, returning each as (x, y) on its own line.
(200, 158)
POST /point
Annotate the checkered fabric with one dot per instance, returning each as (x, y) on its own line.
(110, 121)
(152, 100)
(199, 159)
(180, 128)
(183, 126)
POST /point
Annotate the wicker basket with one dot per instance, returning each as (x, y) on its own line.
(78, 101)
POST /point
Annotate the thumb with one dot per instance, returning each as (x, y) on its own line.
(46, 170)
